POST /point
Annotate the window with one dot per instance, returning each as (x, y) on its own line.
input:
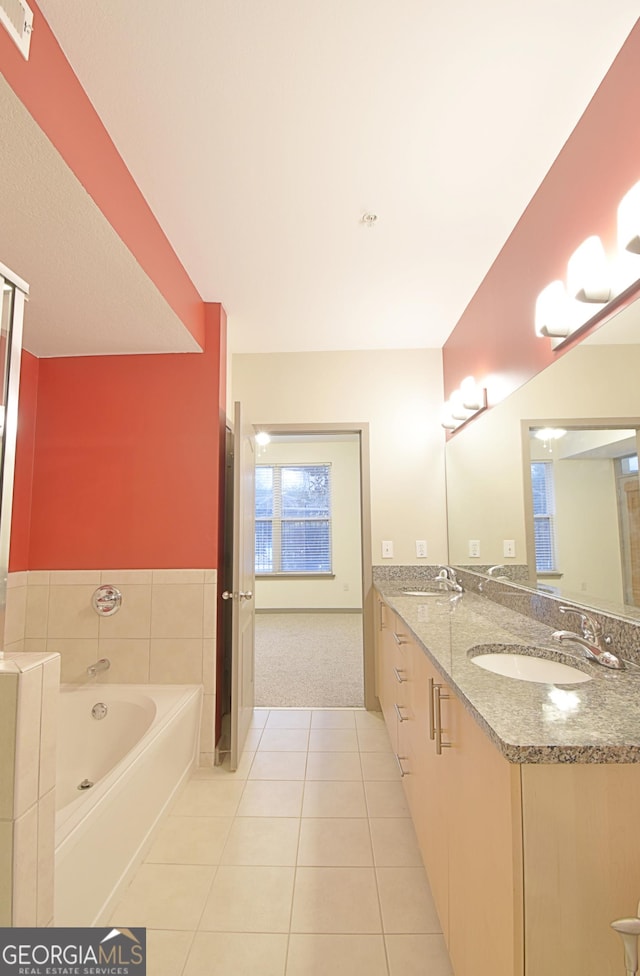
(544, 515)
(293, 519)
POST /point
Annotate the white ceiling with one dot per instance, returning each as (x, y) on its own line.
(259, 131)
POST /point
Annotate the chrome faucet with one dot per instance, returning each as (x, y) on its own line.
(494, 574)
(102, 665)
(447, 576)
(590, 638)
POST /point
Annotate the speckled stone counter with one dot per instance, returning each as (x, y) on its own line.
(596, 721)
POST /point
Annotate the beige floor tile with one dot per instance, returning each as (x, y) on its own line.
(190, 840)
(289, 718)
(386, 799)
(406, 901)
(260, 716)
(335, 900)
(395, 843)
(379, 766)
(333, 718)
(337, 955)
(333, 740)
(374, 740)
(271, 798)
(368, 720)
(249, 899)
(284, 740)
(278, 765)
(334, 765)
(208, 798)
(335, 842)
(236, 954)
(167, 951)
(252, 741)
(333, 799)
(415, 955)
(165, 896)
(262, 841)
(222, 772)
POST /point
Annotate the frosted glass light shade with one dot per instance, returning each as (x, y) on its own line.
(588, 277)
(629, 221)
(553, 316)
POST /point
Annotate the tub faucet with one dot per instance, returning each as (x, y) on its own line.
(591, 639)
(102, 665)
(447, 575)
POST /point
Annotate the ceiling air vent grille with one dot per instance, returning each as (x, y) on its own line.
(17, 17)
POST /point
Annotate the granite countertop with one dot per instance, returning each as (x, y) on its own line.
(596, 721)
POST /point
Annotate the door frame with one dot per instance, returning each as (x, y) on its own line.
(368, 635)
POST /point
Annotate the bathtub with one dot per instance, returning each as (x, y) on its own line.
(136, 758)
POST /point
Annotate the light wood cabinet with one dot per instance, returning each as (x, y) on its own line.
(528, 864)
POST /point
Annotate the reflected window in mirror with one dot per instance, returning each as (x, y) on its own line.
(544, 516)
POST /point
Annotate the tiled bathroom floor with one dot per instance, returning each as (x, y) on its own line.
(302, 863)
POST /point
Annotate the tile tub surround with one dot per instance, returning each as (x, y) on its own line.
(28, 701)
(164, 632)
(597, 721)
(303, 862)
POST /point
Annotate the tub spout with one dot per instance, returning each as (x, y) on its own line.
(102, 665)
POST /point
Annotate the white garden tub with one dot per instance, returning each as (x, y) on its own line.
(136, 757)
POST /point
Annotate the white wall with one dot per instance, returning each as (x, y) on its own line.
(344, 590)
(399, 394)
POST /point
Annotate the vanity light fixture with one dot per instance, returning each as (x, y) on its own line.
(629, 221)
(592, 277)
(464, 403)
(263, 438)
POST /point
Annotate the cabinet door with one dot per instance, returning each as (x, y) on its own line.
(485, 851)
(427, 786)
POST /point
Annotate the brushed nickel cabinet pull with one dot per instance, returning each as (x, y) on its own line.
(401, 717)
(439, 697)
(399, 639)
(400, 760)
(432, 726)
(399, 674)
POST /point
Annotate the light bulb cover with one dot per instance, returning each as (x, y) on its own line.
(263, 438)
(588, 276)
(629, 221)
(472, 394)
(553, 316)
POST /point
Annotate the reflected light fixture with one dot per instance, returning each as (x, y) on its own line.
(464, 403)
(263, 438)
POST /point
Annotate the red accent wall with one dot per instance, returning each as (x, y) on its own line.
(25, 446)
(126, 462)
(579, 196)
(50, 91)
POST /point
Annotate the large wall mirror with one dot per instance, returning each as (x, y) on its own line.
(569, 502)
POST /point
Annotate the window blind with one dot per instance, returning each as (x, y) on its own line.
(293, 519)
(544, 515)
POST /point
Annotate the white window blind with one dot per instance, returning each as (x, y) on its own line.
(293, 519)
(544, 515)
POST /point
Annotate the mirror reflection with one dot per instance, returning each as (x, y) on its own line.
(592, 393)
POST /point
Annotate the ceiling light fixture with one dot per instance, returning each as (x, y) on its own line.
(368, 219)
(593, 278)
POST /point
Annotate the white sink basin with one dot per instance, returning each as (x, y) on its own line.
(523, 667)
(422, 592)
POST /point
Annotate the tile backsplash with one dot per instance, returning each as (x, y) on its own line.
(163, 633)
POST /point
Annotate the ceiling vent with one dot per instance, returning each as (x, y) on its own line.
(17, 17)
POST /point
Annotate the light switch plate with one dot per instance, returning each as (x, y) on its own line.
(509, 547)
(387, 550)
(474, 548)
(421, 549)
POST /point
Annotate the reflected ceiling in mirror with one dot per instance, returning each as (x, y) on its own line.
(594, 386)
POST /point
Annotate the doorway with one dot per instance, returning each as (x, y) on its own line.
(312, 567)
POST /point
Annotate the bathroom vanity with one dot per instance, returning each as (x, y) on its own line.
(525, 795)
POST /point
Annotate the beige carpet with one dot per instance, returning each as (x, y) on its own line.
(309, 660)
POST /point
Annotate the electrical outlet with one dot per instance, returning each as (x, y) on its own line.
(509, 547)
(421, 549)
(387, 550)
(474, 548)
